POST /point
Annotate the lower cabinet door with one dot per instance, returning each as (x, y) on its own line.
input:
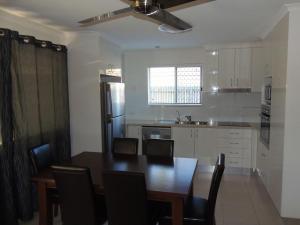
(205, 146)
(183, 142)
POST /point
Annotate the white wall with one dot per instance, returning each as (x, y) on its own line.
(26, 27)
(233, 107)
(276, 45)
(291, 178)
(283, 50)
(88, 53)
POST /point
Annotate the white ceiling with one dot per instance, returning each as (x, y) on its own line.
(216, 22)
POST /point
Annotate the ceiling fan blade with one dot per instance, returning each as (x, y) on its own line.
(164, 17)
(104, 17)
(165, 4)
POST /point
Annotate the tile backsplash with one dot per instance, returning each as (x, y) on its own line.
(241, 107)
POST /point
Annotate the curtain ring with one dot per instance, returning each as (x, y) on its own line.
(26, 40)
(2, 33)
(44, 44)
(59, 48)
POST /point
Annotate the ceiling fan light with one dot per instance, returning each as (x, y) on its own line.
(168, 29)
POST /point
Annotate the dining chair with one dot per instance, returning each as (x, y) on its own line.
(199, 211)
(158, 148)
(76, 190)
(41, 158)
(125, 146)
(126, 199)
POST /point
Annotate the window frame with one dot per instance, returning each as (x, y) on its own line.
(176, 66)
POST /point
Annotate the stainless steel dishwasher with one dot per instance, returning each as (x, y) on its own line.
(153, 132)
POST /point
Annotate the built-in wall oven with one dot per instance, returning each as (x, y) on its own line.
(266, 112)
(265, 124)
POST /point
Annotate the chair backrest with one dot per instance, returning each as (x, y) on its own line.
(126, 198)
(125, 146)
(214, 188)
(158, 147)
(77, 196)
(41, 157)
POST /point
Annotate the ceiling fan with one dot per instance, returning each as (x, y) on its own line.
(153, 9)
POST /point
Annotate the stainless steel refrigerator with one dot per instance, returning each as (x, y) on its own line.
(112, 110)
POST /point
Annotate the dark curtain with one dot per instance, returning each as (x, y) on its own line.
(37, 98)
(7, 207)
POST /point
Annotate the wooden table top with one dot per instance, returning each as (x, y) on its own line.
(170, 177)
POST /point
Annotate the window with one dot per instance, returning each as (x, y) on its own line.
(174, 85)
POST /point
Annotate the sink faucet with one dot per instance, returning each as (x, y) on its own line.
(178, 119)
(189, 118)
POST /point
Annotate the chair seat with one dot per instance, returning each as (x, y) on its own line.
(194, 213)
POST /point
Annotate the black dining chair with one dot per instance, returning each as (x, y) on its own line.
(41, 158)
(79, 202)
(199, 211)
(125, 146)
(158, 148)
(126, 199)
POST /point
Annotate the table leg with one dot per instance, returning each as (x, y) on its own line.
(177, 211)
(45, 207)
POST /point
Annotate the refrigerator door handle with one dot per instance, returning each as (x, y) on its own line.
(110, 100)
(112, 130)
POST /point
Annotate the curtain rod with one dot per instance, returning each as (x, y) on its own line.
(26, 39)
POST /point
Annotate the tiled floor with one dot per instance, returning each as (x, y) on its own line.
(242, 201)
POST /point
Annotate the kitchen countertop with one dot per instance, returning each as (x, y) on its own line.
(213, 124)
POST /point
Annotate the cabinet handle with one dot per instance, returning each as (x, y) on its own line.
(234, 133)
(235, 153)
(233, 162)
(233, 143)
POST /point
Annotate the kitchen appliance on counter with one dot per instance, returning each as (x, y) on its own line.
(112, 92)
(266, 112)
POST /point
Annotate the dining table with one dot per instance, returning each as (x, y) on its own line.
(167, 179)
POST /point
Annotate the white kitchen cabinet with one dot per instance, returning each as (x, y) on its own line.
(135, 131)
(243, 67)
(258, 69)
(205, 146)
(262, 163)
(226, 68)
(211, 70)
(206, 143)
(235, 68)
(183, 141)
(237, 146)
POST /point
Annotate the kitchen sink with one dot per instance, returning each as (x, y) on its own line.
(191, 122)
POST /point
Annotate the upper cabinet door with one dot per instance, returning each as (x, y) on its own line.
(243, 67)
(226, 68)
(258, 69)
